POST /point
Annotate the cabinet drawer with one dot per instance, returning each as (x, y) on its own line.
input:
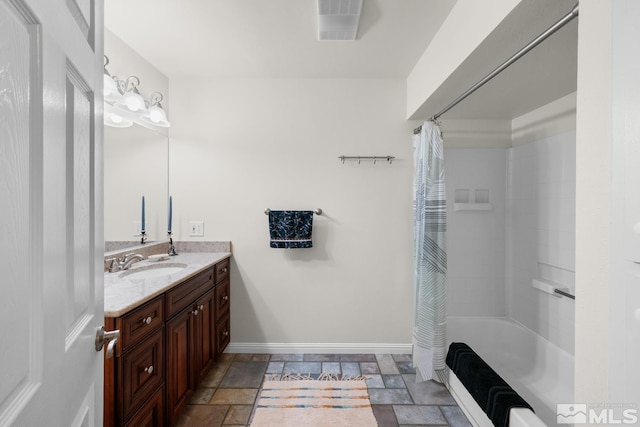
(185, 294)
(222, 298)
(222, 270)
(223, 334)
(140, 322)
(151, 414)
(141, 373)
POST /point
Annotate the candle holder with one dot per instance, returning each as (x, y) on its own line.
(143, 237)
(172, 248)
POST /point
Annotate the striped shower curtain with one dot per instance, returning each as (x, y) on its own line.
(430, 256)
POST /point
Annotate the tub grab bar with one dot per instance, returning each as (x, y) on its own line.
(564, 294)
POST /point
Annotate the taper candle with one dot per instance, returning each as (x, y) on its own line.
(142, 225)
(170, 212)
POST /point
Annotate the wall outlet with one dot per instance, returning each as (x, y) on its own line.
(137, 228)
(197, 228)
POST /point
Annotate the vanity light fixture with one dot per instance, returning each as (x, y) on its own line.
(156, 115)
(115, 120)
(110, 84)
(124, 106)
(131, 99)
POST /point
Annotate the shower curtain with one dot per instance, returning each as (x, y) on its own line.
(430, 256)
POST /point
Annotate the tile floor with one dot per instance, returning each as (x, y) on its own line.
(228, 395)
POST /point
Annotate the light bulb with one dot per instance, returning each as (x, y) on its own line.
(157, 114)
(116, 120)
(133, 101)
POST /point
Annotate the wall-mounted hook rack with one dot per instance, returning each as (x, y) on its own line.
(388, 159)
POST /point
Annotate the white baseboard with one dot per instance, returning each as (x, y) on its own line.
(318, 348)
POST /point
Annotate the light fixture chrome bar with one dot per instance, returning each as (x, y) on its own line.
(535, 42)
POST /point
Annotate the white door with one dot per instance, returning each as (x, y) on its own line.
(51, 238)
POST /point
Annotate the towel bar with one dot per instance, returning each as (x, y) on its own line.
(316, 211)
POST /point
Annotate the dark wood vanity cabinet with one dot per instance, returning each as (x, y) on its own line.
(179, 335)
(134, 377)
(222, 303)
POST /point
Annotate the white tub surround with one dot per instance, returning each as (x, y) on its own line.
(518, 417)
(536, 369)
(122, 294)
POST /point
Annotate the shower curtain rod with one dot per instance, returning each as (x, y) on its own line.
(535, 42)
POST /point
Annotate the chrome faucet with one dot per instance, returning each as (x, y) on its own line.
(123, 263)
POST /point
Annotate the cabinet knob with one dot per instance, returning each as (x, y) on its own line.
(201, 308)
(225, 333)
(195, 312)
(149, 370)
(225, 298)
(147, 320)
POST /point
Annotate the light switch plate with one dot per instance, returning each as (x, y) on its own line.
(197, 228)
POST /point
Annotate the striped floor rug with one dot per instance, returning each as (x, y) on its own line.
(314, 403)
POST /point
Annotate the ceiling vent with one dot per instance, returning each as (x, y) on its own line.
(338, 19)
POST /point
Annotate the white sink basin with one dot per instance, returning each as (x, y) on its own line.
(150, 271)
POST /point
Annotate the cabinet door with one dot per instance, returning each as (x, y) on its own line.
(150, 415)
(204, 342)
(141, 373)
(222, 298)
(223, 334)
(179, 362)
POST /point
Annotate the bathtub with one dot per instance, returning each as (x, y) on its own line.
(538, 370)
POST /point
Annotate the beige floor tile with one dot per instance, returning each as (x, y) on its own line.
(202, 415)
(234, 396)
(238, 414)
(215, 375)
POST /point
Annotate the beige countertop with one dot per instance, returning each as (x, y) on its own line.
(122, 294)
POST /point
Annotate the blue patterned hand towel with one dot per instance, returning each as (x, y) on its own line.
(290, 229)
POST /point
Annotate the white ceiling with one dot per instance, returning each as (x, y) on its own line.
(274, 38)
(278, 39)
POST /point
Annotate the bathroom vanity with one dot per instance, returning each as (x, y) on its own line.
(172, 330)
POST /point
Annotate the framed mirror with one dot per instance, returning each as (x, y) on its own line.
(136, 164)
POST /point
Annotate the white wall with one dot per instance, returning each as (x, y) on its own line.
(476, 239)
(593, 201)
(624, 322)
(541, 220)
(240, 146)
(542, 235)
